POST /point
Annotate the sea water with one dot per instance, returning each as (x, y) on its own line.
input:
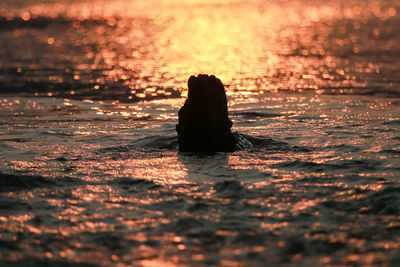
(91, 173)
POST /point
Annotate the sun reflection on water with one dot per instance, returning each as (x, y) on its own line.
(132, 51)
(92, 186)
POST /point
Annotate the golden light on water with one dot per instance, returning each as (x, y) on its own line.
(95, 132)
(255, 47)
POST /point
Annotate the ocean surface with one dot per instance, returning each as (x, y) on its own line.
(90, 172)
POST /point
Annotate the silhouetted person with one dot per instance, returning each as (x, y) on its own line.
(204, 125)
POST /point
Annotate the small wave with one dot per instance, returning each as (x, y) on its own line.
(176, 204)
(229, 189)
(185, 225)
(18, 140)
(342, 147)
(391, 151)
(386, 201)
(145, 143)
(12, 182)
(198, 207)
(129, 183)
(255, 114)
(6, 147)
(357, 165)
(157, 142)
(242, 142)
(12, 204)
(58, 133)
(383, 202)
(337, 166)
(245, 142)
(302, 165)
(393, 122)
(266, 143)
(171, 142)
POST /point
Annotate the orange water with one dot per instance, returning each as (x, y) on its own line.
(89, 168)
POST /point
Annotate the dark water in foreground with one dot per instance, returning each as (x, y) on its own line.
(89, 169)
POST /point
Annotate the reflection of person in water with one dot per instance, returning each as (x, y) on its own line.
(204, 125)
